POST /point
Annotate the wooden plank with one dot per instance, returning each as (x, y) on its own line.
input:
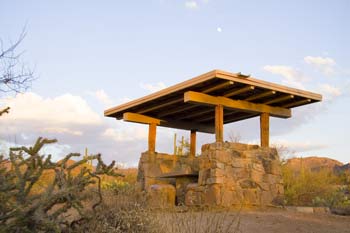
(280, 99)
(217, 87)
(219, 123)
(239, 91)
(264, 129)
(259, 96)
(152, 132)
(297, 103)
(193, 143)
(138, 118)
(200, 98)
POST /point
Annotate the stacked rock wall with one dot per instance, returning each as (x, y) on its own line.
(152, 166)
(235, 174)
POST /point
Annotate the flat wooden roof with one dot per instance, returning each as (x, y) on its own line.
(170, 107)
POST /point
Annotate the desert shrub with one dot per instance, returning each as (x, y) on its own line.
(123, 212)
(57, 207)
(310, 188)
(117, 186)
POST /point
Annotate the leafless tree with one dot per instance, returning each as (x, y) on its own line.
(15, 76)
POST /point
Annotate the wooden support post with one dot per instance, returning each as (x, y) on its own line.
(152, 132)
(193, 143)
(219, 123)
(264, 129)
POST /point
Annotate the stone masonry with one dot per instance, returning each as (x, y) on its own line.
(229, 174)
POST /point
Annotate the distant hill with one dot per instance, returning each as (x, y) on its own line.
(313, 163)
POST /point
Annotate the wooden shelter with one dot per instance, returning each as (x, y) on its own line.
(207, 102)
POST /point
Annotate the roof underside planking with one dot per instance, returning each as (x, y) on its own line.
(175, 111)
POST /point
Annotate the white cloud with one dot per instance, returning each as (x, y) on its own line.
(74, 124)
(102, 96)
(191, 4)
(153, 87)
(323, 64)
(219, 29)
(126, 133)
(65, 110)
(62, 130)
(329, 92)
(292, 77)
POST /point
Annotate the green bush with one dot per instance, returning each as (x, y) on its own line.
(314, 188)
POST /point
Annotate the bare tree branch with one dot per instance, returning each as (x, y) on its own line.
(5, 110)
(15, 76)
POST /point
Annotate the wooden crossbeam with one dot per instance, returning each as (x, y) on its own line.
(200, 98)
(138, 118)
(280, 99)
(262, 95)
(297, 103)
(239, 91)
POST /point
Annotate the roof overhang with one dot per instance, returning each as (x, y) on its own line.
(189, 105)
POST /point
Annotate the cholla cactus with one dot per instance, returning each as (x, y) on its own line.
(22, 210)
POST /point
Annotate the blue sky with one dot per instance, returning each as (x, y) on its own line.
(89, 55)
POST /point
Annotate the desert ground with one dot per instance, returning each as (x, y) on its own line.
(264, 221)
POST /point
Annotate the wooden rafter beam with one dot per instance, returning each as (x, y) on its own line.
(158, 106)
(219, 86)
(198, 113)
(200, 98)
(176, 110)
(239, 91)
(208, 90)
(180, 100)
(297, 103)
(280, 99)
(259, 96)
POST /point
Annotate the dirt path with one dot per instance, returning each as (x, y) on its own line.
(289, 221)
